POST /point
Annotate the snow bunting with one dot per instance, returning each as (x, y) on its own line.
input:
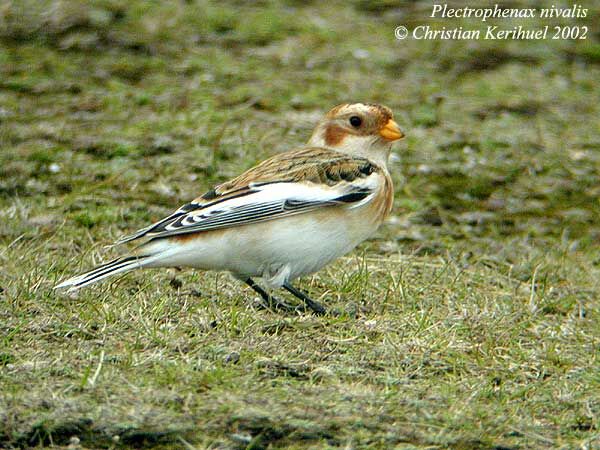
(287, 217)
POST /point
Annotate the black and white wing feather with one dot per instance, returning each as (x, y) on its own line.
(259, 202)
(286, 184)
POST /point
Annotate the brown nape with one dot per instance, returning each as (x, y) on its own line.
(334, 135)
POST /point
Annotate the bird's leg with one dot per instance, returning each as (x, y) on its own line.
(270, 301)
(315, 306)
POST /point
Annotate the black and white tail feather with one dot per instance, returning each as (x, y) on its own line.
(114, 267)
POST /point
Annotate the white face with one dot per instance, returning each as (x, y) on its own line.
(358, 129)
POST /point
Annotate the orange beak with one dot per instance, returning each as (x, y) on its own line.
(391, 131)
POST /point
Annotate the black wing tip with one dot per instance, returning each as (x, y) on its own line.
(353, 197)
(211, 194)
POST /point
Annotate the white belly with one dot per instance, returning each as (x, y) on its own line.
(277, 250)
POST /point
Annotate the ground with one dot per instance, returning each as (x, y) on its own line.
(470, 321)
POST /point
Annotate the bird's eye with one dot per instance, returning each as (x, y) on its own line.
(355, 121)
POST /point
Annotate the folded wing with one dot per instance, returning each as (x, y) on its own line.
(339, 181)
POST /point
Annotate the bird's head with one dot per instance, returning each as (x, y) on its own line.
(358, 129)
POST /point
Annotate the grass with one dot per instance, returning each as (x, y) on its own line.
(469, 321)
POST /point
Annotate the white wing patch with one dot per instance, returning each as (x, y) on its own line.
(261, 202)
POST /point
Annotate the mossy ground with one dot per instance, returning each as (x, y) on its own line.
(470, 321)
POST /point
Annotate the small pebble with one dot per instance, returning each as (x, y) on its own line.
(361, 53)
(370, 324)
(232, 358)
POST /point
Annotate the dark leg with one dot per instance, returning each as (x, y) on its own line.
(270, 301)
(316, 307)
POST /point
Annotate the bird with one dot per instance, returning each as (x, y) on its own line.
(287, 217)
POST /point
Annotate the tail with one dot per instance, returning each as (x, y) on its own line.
(114, 267)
